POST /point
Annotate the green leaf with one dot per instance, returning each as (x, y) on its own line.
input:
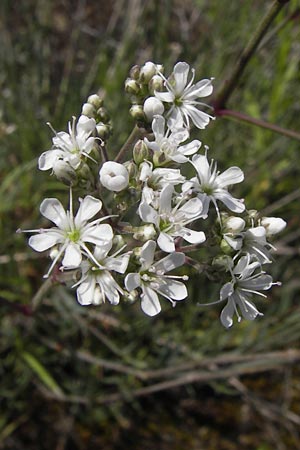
(42, 373)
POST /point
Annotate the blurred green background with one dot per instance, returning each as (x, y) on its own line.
(84, 378)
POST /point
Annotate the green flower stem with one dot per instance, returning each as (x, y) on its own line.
(258, 122)
(231, 83)
(136, 134)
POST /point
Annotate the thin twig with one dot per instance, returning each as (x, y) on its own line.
(231, 83)
(136, 134)
(258, 122)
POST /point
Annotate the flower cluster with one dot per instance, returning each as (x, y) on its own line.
(141, 215)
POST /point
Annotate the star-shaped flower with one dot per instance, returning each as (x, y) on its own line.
(183, 96)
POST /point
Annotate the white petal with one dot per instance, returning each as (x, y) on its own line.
(165, 96)
(48, 158)
(273, 225)
(73, 256)
(203, 88)
(132, 281)
(149, 302)
(166, 199)
(232, 175)
(226, 291)
(44, 241)
(147, 254)
(85, 125)
(109, 286)
(248, 309)
(170, 262)
(232, 203)
(88, 208)
(181, 71)
(52, 209)
(190, 148)
(227, 314)
(200, 119)
(191, 236)
(148, 214)
(85, 291)
(260, 283)
(98, 234)
(118, 264)
(173, 289)
(166, 243)
(192, 208)
(201, 165)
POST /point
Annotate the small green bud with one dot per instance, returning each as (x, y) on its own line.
(88, 110)
(103, 130)
(137, 112)
(222, 262)
(65, 173)
(135, 72)
(159, 159)
(140, 152)
(225, 247)
(84, 172)
(132, 87)
(103, 115)
(156, 84)
(131, 169)
(95, 100)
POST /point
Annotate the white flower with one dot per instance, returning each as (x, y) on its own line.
(97, 283)
(152, 107)
(71, 234)
(244, 284)
(171, 221)
(183, 96)
(152, 279)
(70, 147)
(114, 176)
(255, 243)
(231, 229)
(210, 185)
(273, 225)
(167, 142)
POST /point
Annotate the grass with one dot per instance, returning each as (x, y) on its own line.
(61, 362)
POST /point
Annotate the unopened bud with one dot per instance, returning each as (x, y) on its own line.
(140, 152)
(145, 232)
(135, 72)
(103, 130)
(223, 261)
(153, 107)
(225, 247)
(95, 100)
(84, 172)
(64, 172)
(234, 224)
(132, 87)
(148, 70)
(88, 110)
(137, 112)
(103, 115)
(131, 169)
(156, 84)
(114, 176)
(273, 225)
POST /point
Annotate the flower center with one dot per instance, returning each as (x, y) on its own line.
(73, 235)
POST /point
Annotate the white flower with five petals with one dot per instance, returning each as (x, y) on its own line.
(97, 283)
(153, 282)
(171, 222)
(71, 234)
(168, 142)
(70, 147)
(210, 185)
(245, 282)
(183, 96)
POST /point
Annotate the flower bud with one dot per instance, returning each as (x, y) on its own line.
(140, 152)
(131, 87)
(103, 130)
(95, 100)
(147, 72)
(273, 225)
(234, 224)
(137, 112)
(153, 107)
(156, 84)
(103, 115)
(84, 172)
(135, 72)
(223, 262)
(64, 172)
(88, 110)
(131, 169)
(114, 176)
(145, 232)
